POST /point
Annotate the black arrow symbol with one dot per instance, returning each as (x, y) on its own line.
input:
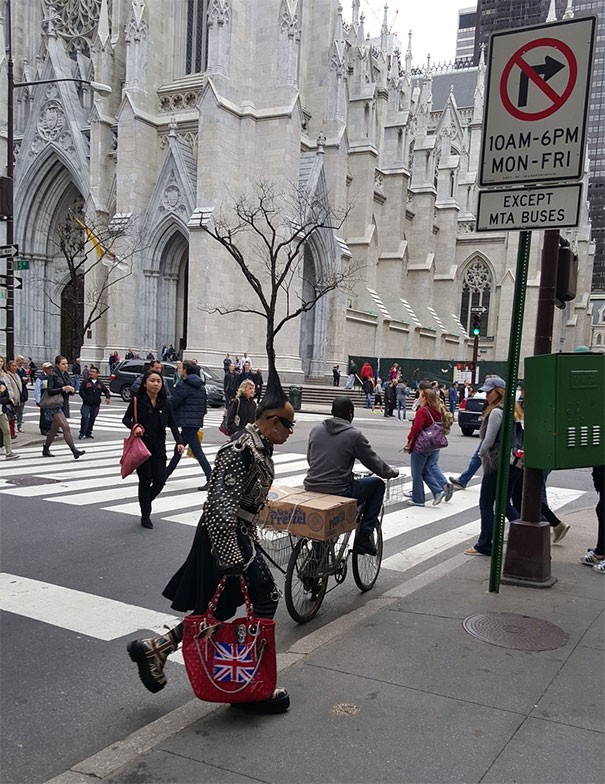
(547, 70)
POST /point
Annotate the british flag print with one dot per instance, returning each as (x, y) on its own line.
(233, 663)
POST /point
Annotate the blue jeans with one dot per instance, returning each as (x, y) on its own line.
(425, 468)
(370, 490)
(88, 415)
(473, 467)
(368, 400)
(191, 440)
(401, 406)
(487, 500)
(350, 381)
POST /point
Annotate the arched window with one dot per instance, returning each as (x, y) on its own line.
(598, 341)
(476, 292)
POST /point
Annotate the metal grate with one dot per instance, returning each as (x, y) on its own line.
(394, 493)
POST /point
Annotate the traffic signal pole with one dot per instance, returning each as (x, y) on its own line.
(10, 269)
(527, 560)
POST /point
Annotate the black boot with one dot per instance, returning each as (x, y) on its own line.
(46, 451)
(146, 522)
(150, 656)
(78, 453)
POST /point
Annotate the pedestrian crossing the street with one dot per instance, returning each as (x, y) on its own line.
(94, 480)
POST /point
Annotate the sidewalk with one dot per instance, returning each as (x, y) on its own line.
(398, 691)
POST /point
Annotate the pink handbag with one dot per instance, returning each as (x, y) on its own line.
(135, 452)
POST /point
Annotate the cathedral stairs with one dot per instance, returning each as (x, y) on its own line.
(318, 394)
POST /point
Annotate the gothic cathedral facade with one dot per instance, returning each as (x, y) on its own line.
(210, 97)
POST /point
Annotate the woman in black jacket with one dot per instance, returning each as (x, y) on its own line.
(152, 416)
(242, 409)
(58, 386)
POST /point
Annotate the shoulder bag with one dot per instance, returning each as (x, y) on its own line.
(135, 451)
(432, 437)
(223, 427)
(51, 401)
(232, 661)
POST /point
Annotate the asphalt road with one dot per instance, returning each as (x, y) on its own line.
(68, 687)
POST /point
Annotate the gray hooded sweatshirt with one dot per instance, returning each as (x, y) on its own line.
(334, 446)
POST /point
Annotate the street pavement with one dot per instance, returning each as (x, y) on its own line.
(372, 679)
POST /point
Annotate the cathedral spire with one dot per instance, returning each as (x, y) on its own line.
(569, 10)
(552, 12)
(103, 26)
(408, 54)
(384, 30)
(361, 36)
(355, 11)
(340, 31)
(479, 87)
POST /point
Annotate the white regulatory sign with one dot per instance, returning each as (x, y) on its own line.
(538, 87)
(543, 207)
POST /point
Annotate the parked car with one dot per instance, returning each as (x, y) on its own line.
(470, 413)
(125, 373)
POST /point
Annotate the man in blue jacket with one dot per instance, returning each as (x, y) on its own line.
(189, 405)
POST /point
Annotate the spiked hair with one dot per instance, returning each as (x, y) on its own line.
(274, 396)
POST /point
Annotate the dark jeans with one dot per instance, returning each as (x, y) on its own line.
(88, 415)
(487, 499)
(191, 440)
(370, 490)
(152, 478)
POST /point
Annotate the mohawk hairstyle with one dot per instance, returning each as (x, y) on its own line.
(274, 396)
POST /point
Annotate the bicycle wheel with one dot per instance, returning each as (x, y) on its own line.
(367, 567)
(306, 579)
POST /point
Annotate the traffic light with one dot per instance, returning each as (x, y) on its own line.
(567, 276)
(476, 324)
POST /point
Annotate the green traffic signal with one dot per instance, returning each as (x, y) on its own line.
(476, 331)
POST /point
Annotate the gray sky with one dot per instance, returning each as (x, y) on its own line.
(432, 22)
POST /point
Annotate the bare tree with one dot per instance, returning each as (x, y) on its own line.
(266, 234)
(93, 269)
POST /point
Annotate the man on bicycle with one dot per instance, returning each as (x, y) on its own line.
(334, 446)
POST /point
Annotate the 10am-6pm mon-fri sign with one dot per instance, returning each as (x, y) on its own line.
(536, 104)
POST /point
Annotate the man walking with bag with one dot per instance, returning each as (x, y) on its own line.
(91, 390)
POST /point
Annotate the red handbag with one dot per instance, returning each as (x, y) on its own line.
(135, 451)
(232, 661)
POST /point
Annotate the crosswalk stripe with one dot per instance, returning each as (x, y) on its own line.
(412, 556)
(84, 613)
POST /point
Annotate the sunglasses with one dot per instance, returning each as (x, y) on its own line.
(287, 423)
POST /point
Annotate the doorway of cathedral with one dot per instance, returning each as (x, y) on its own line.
(312, 336)
(173, 293)
(72, 318)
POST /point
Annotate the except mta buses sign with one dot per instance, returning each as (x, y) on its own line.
(538, 88)
(553, 207)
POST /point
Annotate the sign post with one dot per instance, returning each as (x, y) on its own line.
(534, 134)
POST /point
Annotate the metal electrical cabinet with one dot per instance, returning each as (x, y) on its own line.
(564, 402)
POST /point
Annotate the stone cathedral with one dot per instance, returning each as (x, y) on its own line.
(207, 98)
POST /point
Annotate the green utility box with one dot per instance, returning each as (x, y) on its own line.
(564, 410)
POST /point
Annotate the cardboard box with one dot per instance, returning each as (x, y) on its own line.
(314, 515)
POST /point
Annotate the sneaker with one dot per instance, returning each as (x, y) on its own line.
(80, 436)
(279, 702)
(364, 545)
(438, 498)
(600, 567)
(407, 494)
(590, 559)
(12, 456)
(90, 436)
(449, 492)
(411, 502)
(457, 483)
(559, 531)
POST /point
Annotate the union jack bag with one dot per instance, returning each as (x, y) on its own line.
(233, 661)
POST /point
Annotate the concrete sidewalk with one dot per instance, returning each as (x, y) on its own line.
(398, 691)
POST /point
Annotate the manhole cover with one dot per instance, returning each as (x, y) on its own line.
(520, 632)
(31, 480)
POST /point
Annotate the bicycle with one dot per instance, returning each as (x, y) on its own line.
(311, 563)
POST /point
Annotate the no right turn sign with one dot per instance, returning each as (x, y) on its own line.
(537, 99)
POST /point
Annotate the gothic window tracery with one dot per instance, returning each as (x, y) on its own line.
(75, 21)
(476, 292)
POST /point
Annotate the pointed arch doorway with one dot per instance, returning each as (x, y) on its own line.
(173, 293)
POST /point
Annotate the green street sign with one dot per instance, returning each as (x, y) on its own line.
(21, 264)
(2, 293)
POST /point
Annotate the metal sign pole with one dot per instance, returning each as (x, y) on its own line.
(514, 347)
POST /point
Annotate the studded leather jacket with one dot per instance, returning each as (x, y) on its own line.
(239, 485)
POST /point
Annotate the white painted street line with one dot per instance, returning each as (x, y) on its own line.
(409, 518)
(83, 613)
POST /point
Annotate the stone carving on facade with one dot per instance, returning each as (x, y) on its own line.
(466, 227)
(172, 198)
(378, 181)
(218, 12)
(51, 121)
(289, 22)
(180, 101)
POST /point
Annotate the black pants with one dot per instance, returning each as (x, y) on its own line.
(152, 478)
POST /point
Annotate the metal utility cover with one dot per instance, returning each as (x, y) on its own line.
(519, 632)
(538, 88)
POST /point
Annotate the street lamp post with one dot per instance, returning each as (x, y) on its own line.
(102, 89)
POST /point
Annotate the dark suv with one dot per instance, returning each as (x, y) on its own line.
(469, 417)
(127, 371)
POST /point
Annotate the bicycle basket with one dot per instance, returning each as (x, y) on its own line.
(394, 493)
(277, 545)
